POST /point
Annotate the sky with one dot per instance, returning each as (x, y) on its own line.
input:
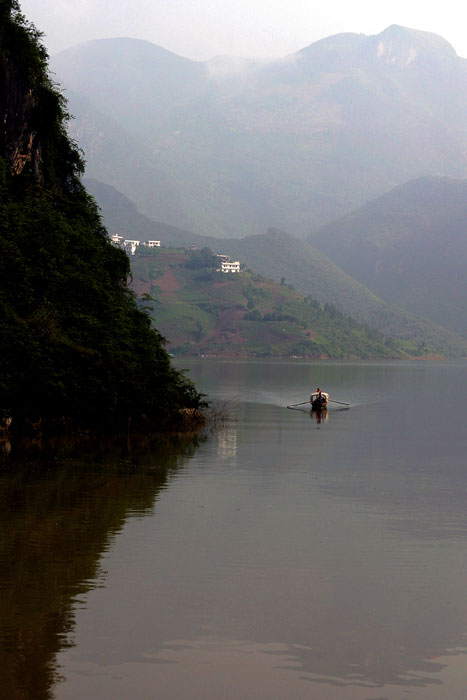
(203, 29)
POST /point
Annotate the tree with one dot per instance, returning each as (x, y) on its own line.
(75, 347)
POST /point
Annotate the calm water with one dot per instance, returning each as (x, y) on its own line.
(280, 557)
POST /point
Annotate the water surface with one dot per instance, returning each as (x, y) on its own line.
(283, 556)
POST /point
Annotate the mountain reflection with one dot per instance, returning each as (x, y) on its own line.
(58, 513)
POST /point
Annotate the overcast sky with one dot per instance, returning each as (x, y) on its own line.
(202, 29)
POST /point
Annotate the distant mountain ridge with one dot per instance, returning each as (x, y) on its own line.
(293, 144)
(409, 247)
(116, 73)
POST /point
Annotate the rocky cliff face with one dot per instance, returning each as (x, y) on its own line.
(19, 104)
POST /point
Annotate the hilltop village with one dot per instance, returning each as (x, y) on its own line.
(131, 246)
(206, 305)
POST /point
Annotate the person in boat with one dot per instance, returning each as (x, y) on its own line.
(319, 397)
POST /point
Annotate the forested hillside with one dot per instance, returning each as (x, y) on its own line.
(75, 349)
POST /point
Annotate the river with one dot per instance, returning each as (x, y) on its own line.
(281, 555)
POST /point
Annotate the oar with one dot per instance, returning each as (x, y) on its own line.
(341, 402)
(292, 405)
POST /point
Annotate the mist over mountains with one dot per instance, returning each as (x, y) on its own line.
(357, 144)
(292, 144)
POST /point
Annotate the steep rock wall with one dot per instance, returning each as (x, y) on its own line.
(19, 111)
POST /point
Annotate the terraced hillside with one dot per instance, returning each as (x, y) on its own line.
(279, 255)
(202, 311)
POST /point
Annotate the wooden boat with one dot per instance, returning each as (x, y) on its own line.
(317, 403)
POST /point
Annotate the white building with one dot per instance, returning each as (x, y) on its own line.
(117, 240)
(131, 245)
(230, 266)
(153, 244)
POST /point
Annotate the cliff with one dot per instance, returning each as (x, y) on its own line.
(20, 144)
(76, 351)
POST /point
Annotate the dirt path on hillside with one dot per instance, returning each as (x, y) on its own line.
(168, 283)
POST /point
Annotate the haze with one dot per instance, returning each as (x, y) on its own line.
(247, 28)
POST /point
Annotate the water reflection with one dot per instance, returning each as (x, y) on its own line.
(320, 415)
(59, 511)
(227, 443)
(245, 669)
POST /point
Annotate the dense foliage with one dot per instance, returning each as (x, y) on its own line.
(74, 347)
(200, 259)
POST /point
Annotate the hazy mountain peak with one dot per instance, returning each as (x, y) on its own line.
(396, 45)
(341, 44)
(294, 143)
(401, 46)
(119, 49)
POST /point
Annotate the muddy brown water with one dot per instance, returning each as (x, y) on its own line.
(283, 555)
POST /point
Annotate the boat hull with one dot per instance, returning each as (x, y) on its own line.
(318, 405)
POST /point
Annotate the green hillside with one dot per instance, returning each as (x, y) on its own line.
(202, 311)
(278, 255)
(409, 247)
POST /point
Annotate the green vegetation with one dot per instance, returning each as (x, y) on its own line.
(201, 260)
(22, 39)
(75, 348)
(243, 314)
(284, 258)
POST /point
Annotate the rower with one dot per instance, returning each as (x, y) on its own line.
(320, 396)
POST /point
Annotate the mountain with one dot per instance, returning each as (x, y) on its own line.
(293, 144)
(76, 350)
(122, 217)
(118, 75)
(203, 311)
(129, 162)
(279, 256)
(409, 247)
